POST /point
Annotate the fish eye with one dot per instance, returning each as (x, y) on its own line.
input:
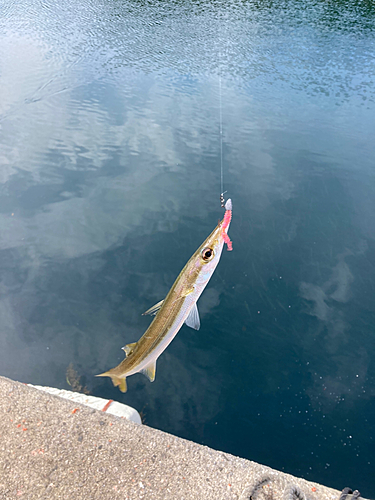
(207, 254)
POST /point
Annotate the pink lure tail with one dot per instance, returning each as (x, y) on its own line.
(226, 222)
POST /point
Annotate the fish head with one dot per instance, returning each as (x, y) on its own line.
(207, 257)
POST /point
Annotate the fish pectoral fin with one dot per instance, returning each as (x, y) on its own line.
(117, 381)
(154, 309)
(150, 370)
(188, 292)
(193, 319)
(129, 348)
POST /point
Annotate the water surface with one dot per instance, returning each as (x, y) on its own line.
(110, 179)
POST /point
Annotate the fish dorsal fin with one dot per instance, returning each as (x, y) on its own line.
(150, 370)
(154, 309)
(129, 348)
(193, 319)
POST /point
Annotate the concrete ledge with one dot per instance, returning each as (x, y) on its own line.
(57, 449)
(108, 405)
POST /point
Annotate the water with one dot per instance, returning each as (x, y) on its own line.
(110, 179)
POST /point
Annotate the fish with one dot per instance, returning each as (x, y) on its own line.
(179, 307)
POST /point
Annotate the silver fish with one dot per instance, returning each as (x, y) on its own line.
(179, 307)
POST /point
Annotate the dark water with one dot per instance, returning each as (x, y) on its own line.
(110, 179)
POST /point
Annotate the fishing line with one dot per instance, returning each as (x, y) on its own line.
(222, 192)
(221, 140)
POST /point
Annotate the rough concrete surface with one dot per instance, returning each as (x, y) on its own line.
(56, 449)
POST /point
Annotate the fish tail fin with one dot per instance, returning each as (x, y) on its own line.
(117, 381)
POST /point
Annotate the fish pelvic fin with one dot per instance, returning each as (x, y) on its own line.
(193, 318)
(117, 381)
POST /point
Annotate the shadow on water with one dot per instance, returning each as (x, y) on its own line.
(109, 181)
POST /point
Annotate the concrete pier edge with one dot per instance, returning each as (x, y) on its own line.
(55, 448)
